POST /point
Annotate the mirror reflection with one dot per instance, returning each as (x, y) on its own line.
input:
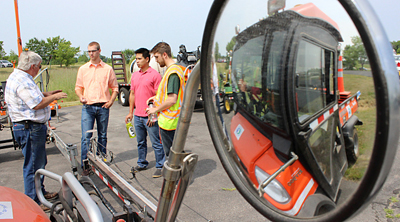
(292, 117)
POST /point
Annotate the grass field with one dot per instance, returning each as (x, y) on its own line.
(367, 114)
(65, 78)
(60, 78)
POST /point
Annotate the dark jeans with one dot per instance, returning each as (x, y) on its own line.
(89, 115)
(141, 129)
(33, 144)
(167, 136)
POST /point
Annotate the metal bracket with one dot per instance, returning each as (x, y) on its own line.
(273, 176)
(69, 151)
(189, 164)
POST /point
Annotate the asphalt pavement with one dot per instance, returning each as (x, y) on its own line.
(211, 195)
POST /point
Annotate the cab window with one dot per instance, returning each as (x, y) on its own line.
(314, 79)
(256, 69)
(320, 141)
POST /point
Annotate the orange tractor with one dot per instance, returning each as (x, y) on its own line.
(293, 130)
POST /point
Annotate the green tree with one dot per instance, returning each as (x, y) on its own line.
(13, 56)
(217, 55)
(40, 47)
(396, 46)
(354, 54)
(2, 52)
(128, 54)
(65, 54)
(46, 49)
(105, 59)
(53, 45)
(349, 58)
(83, 58)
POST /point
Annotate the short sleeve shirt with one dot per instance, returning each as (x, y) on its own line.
(144, 85)
(173, 84)
(22, 95)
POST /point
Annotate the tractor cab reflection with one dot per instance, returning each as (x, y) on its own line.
(286, 131)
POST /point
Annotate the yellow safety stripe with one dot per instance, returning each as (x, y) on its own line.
(168, 118)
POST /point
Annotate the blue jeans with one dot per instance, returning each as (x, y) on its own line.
(33, 144)
(89, 115)
(167, 137)
(141, 129)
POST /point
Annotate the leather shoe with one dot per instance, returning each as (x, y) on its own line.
(85, 172)
(44, 208)
(50, 195)
(157, 173)
(137, 169)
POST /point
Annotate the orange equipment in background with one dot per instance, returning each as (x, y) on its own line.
(19, 41)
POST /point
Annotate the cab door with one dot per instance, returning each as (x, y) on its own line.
(314, 115)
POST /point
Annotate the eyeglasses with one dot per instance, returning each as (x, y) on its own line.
(91, 51)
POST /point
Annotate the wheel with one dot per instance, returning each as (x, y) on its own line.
(227, 104)
(352, 149)
(316, 204)
(124, 97)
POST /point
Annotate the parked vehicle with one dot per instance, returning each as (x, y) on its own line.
(124, 84)
(5, 64)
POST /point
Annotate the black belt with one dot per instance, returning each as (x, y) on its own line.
(97, 104)
(27, 123)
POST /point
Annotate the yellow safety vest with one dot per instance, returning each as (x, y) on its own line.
(168, 118)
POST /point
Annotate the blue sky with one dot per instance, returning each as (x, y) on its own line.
(130, 24)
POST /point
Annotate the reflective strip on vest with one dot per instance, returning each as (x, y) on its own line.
(168, 118)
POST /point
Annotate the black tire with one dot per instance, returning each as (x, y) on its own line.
(53, 112)
(227, 105)
(316, 204)
(198, 104)
(352, 150)
(124, 97)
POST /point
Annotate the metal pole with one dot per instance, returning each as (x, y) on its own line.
(19, 41)
(172, 167)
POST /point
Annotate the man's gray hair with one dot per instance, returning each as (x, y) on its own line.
(27, 59)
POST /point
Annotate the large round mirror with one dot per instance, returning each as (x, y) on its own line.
(299, 95)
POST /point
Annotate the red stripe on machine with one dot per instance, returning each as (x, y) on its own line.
(115, 190)
(314, 124)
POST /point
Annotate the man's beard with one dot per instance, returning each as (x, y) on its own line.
(162, 64)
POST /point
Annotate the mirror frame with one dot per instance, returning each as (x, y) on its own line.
(386, 83)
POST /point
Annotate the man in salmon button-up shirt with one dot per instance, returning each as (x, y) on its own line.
(93, 82)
